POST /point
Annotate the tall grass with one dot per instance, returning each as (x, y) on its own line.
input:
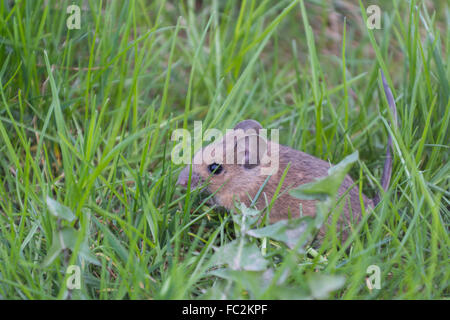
(86, 118)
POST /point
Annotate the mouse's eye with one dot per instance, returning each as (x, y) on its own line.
(215, 168)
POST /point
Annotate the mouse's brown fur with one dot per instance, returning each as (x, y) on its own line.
(242, 181)
(237, 182)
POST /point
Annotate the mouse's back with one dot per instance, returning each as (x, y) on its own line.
(305, 168)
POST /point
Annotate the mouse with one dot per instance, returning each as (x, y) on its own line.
(240, 180)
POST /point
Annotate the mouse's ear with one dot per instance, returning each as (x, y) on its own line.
(249, 150)
(244, 145)
(248, 124)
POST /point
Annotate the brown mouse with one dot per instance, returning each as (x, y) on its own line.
(242, 179)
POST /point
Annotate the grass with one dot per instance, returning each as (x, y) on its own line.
(86, 118)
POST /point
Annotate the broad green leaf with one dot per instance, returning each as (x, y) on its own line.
(216, 292)
(246, 218)
(255, 281)
(66, 238)
(70, 236)
(290, 232)
(248, 212)
(62, 239)
(87, 255)
(321, 285)
(240, 255)
(59, 211)
(287, 292)
(324, 188)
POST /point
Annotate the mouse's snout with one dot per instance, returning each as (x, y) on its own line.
(183, 178)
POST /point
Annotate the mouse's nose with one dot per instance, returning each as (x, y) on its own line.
(183, 178)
